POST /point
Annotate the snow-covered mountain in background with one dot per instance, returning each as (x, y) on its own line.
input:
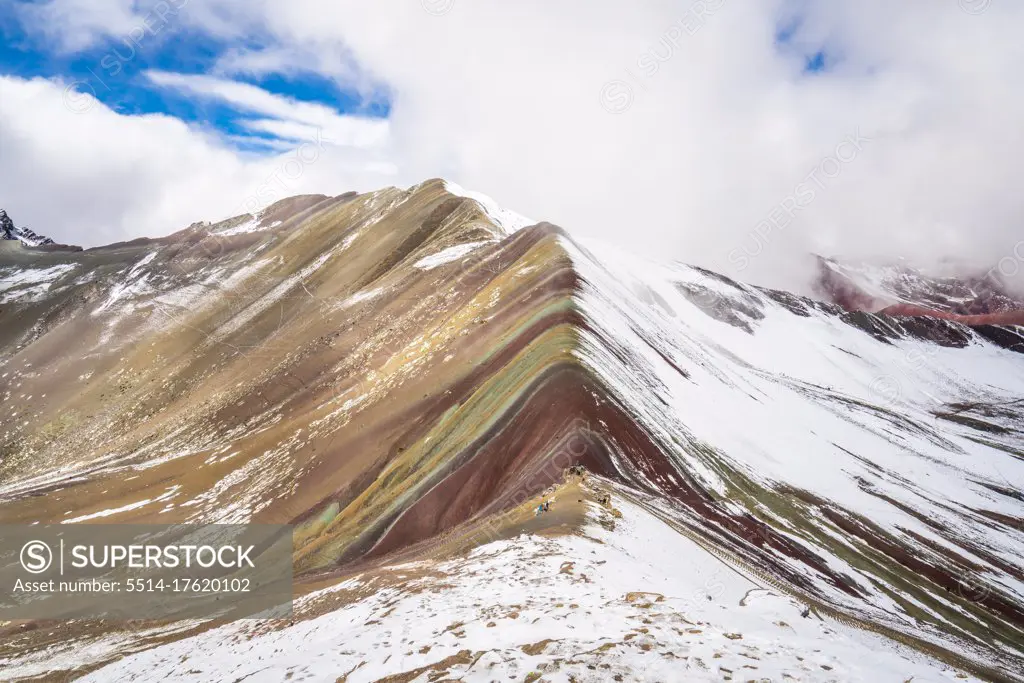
(775, 487)
(971, 297)
(9, 231)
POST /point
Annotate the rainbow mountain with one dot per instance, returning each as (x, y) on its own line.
(745, 482)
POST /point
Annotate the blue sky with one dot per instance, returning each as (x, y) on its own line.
(114, 70)
(790, 41)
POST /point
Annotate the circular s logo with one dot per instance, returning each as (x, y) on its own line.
(36, 557)
(887, 388)
(616, 96)
(437, 7)
(79, 97)
(975, 7)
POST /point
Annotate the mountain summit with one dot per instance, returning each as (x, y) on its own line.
(740, 478)
(8, 231)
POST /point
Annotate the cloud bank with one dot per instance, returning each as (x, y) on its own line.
(739, 137)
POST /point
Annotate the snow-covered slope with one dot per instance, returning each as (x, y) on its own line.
(627, 599)
(885, 467)
(509, 221)
(401, 375)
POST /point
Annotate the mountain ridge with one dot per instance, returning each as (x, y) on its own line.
(362, 373)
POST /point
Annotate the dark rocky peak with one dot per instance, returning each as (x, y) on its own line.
(9, 231)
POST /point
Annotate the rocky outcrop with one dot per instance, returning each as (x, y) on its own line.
(8, 231)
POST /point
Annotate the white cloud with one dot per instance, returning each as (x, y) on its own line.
(240, 61)
(293, 120)
(87, 175)
(72, 25)
(285, 130)
(506, 98)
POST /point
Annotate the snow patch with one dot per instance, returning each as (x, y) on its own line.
(447, 255)
(639, 599)
(508, 220)
(30, 283)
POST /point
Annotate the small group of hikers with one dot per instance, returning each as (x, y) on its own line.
(577, 471)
